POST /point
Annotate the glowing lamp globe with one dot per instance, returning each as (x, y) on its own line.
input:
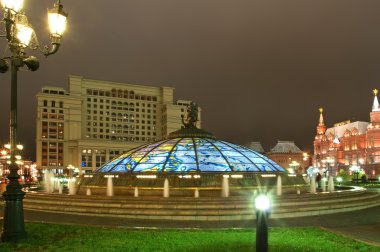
(12, 5)
(262, 203)
(57, 21)
(24, 34)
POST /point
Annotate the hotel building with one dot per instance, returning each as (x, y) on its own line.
(94, 121)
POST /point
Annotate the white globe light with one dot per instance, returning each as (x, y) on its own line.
(262, 202)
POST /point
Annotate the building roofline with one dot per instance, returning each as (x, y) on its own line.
(137, 85)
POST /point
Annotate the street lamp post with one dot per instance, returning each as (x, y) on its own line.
(262, 204)
(20, 36)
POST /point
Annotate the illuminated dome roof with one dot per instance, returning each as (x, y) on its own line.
(191, 154)
(190, 150)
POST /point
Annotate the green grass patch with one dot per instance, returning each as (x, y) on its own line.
(53, 237)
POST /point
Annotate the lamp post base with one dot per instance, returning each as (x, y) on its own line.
(261, 231)
(13, 226)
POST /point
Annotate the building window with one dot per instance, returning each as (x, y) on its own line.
(100, 158)
(86, 158)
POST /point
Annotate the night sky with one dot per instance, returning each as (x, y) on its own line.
(259, 69)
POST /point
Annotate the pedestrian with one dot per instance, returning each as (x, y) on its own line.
(318, 179)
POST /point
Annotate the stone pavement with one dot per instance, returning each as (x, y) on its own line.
(363, 225)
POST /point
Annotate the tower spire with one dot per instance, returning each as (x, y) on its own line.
(321, 121)
(321, 129)
(375, 106)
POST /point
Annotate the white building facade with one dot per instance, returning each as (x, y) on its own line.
(94, 121)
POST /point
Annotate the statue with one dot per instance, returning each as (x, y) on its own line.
(192, 116)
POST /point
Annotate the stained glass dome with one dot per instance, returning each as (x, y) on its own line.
(187, 152)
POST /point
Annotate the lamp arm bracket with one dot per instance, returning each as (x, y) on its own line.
(52, 49)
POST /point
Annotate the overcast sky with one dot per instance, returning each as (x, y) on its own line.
(259, 69)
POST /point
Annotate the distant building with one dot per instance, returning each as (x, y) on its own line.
(94, 121)
(289, 156)
(349, 144)
(286, 154)
(255, 146)
(26, 168)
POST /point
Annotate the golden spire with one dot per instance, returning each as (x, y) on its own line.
(321, 110)
(375, 91)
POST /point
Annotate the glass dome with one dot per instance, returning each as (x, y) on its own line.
(190, 154)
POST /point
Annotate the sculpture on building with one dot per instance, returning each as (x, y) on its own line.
(192, 116)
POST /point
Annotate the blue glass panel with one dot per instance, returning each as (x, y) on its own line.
(206, 153)
(181, 154)
(139, 154)
(244, 167)
(119, 168)
(179, 159)
(251, 154)
(211, 158)
(223, 147)
(181, 168)
(145, 167)
(204, 146)
(232, 153)
(153, 159)
(130, 165)
(159, 152)
(105, 168)
(241, 159)
(266, 167)
(257, 160)
(213, 167)
(185, 145)
(125, 160)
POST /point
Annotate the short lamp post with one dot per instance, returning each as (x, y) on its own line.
(263, 205)
(71, 169)
(294, 165)
(21, 36)
(328, 163)
(355, 169)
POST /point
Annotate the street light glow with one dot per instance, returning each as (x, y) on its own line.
(24, 34)
(57, 21)
(13, 5)
(262, 202)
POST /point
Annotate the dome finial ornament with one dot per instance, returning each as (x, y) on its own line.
(192, 116)
(375, 91)
(321, 110)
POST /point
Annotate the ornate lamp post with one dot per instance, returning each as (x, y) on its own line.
(20, 36)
